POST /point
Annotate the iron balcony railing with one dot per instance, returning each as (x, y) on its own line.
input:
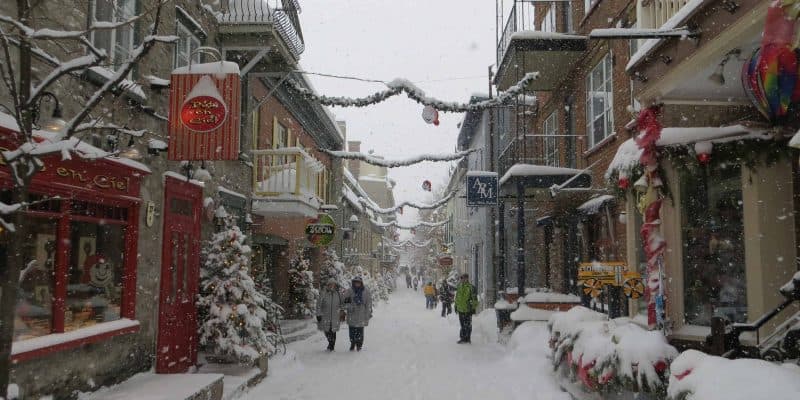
(288, 172)
(249, 12)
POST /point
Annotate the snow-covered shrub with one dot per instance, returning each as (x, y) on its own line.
(699, 376)
(233, 322)
(486, 325)
(303, 295)
(607, 355)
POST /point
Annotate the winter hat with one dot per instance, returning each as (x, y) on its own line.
(358, 279)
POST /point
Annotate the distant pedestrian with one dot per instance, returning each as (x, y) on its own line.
(408, 281)
(416, 283)
(466, 305)
(430, 295)
(446, 297)
(330, 311)
(358, 302)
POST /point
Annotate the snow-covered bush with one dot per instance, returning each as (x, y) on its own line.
(607, 355)
(486, 325)
(699, 376)
(233, 323)
(303, 295)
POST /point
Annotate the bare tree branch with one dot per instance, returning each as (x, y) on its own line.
(8, 75)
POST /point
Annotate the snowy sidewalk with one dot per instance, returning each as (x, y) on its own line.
(411, 353)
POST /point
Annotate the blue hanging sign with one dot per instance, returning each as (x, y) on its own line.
(481, 188)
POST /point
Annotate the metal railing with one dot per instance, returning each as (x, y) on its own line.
(508, 30)
(522, 19)
(249, 12)
(652, 14)
(287, 171)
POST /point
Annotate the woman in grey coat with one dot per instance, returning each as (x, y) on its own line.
(330, 311)
(358, 303)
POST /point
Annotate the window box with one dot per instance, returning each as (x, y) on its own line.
(41, 346)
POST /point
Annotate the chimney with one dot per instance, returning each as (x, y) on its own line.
(354, 165)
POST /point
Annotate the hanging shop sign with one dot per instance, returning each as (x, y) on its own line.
(594, 276)
(204, 112)
(481, 188)
(445, 261)
(321, 230)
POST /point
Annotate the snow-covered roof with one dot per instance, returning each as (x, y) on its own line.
(592, 206)
(527, 35)
(173, 174)
(637, 32)
(481, 173)
(223, 189)
(156, 144)
(537, 170)
(626, 158)
(682, 136)
(675, 21)
(793, 285)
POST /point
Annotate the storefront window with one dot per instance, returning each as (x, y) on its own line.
(94, 291)
(713, 246)
(34, 314)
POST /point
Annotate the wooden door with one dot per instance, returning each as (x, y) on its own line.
(176, 349)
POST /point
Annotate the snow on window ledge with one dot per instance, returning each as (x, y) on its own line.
(32, 348)
(127, 88)
(601, 144)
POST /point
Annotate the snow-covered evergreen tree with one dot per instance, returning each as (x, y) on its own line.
(302, 293)
(233, 322)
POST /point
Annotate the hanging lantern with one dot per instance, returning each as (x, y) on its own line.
(770, 75)
(430, 115)
(426, 185)
(703, 152)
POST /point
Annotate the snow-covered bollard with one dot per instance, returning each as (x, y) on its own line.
(603, 355)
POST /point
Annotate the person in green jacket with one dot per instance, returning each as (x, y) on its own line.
(466, 304)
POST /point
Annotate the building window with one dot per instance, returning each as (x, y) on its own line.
(634, 46)
(549, 22)
(550, 141)
(118, 43)
(713, 245)
(187, 43)
(87, 261)
(599, 102)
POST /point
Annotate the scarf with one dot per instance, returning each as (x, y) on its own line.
(358, 294)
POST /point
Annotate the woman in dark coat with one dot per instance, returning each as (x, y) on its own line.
(330, 311)
(358, 303)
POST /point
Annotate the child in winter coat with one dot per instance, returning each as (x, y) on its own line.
(430, 295)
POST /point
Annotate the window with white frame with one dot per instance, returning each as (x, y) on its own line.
(549, 22)
(550, 141)
(599, 102)
(587, 6)
(118, 43)
(187, 43)
(634, 46)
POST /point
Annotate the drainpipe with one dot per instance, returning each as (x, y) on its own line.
(520, 238)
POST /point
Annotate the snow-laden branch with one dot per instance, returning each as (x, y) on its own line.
(370, 159)
(413, 92)
(412, 204)
(68, 67)
(95, 125)
(418, 225)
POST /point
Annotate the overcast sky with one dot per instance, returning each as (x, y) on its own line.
(443, 46)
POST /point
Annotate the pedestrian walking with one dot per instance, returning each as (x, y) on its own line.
(408, 281)
(358, 303)
(330, 311)
(466, 304)
(446, 297)
(430, 295)
(415, 282)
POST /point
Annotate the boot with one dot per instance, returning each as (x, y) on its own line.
(358, 346)
(352, 346)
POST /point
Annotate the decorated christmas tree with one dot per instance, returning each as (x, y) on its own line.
(302, 293)
(233, 321)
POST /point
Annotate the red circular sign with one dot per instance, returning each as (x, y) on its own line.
(203, 113)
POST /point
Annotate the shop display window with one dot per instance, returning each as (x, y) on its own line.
(34, 311)
(713, 246)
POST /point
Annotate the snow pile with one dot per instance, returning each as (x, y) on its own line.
(502, 304)
(548, 296)
(525, 313)
(605, 354)
(685, 136)
(625, 160)
(698, 376)
(792, 288)
(527, 339)
(233, 320)
(485, 325)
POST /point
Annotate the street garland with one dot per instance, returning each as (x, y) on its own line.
(413, 92)
(418, 206)
(412, 243)
(418, 225)
(381, 162)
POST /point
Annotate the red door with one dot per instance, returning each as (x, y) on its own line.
(176, 349)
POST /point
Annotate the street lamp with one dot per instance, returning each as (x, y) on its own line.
(56, 123)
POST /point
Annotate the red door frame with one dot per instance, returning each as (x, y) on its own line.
(176, 348)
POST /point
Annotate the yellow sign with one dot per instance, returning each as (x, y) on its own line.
(595, 275)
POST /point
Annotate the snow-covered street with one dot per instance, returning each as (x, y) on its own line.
(411, 353)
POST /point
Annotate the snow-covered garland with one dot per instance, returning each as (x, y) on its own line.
(413, 92)
(418, 225)
(370, 159)
(412, 243)
(412, 204)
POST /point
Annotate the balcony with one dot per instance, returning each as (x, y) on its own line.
(254, 25)
(287, 182)
(522, 49)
